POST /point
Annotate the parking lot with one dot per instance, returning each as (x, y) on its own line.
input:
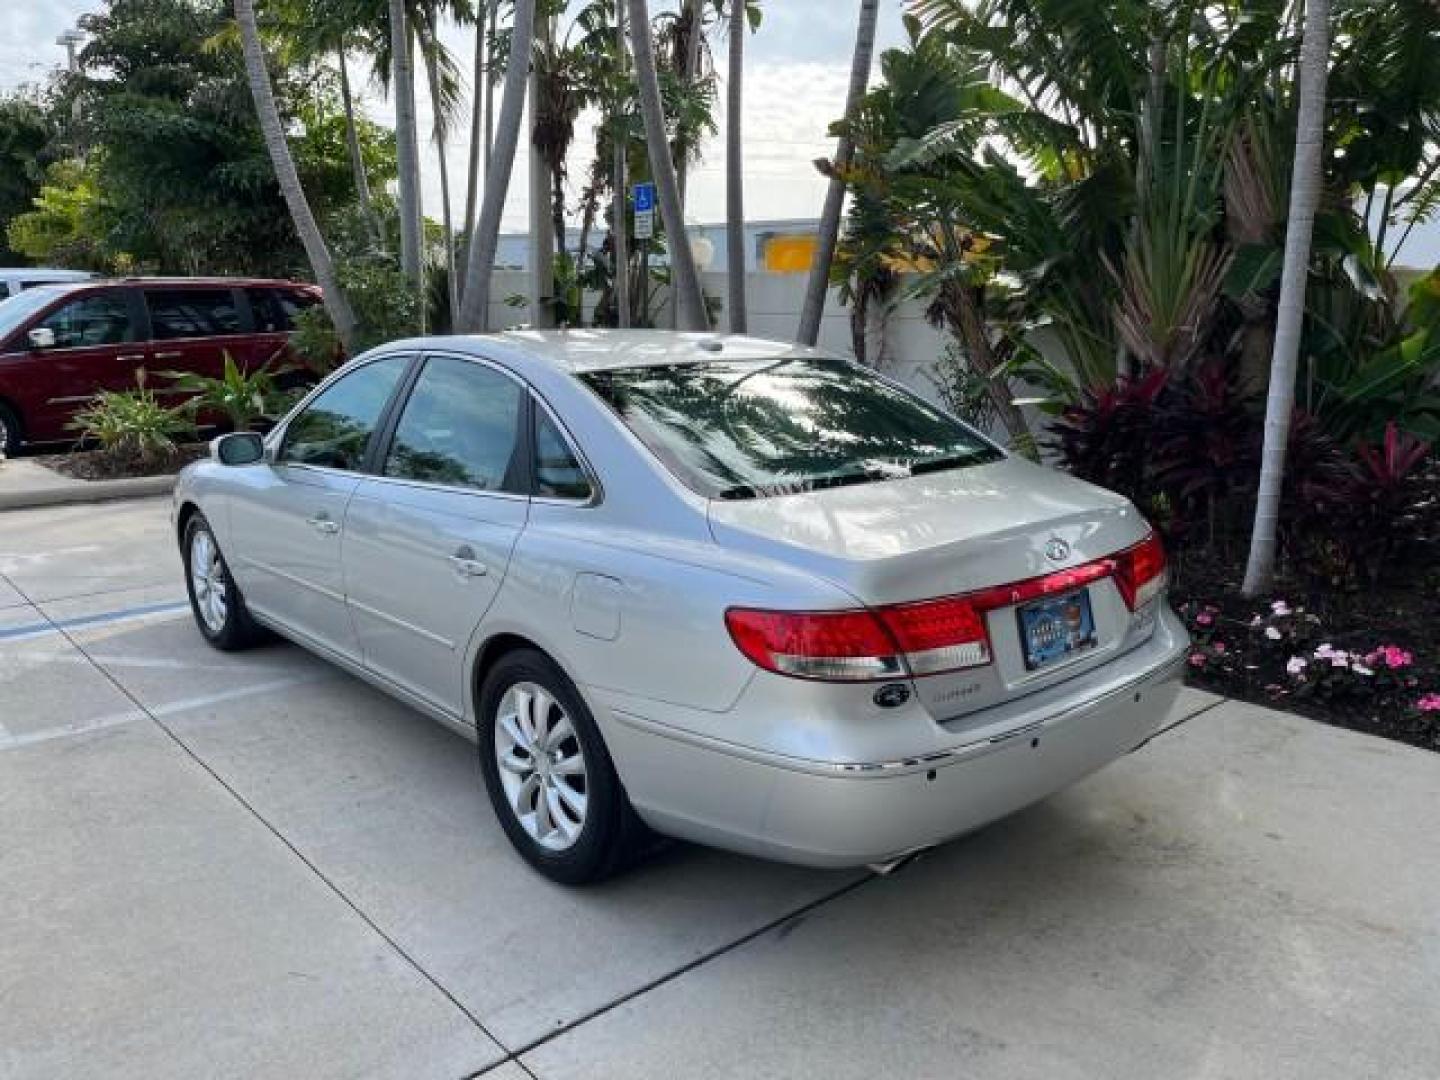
(253, 865)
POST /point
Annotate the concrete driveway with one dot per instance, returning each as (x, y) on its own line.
(256, 866)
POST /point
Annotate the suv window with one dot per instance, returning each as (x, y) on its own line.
(745, 429)
(276, 309)
(94, 319)
(460, 427)
(558, 474)
(191, 313)
(336, 427)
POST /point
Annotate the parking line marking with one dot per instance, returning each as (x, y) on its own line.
(80, 622)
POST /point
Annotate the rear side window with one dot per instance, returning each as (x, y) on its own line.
(461, 427)
(336, 427)
(276, 309)
(94, 319)
(744, 429)
(191, 313)
(558, 474)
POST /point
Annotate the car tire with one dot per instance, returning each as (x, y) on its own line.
(11, 433)
(215, 600)
(577, 848)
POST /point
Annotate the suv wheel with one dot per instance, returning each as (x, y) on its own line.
(9, 432)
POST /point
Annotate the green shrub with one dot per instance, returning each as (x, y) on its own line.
(131, 425)
(386, 307)
(243, 397)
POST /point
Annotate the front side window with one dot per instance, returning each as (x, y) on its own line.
(336, 427)
(191, 313)
(744, 429)
(94, 319)
(461, 427)
(558, 474)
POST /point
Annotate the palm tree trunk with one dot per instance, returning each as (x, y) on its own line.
(620, 223)
(474, 313)
(477, 121)
(273, 132)
(432, 74)
(1305, 184)
(829, 236)
(542, 222)
(357, 160)
(694, 21)
(406, 144)
(685, 282)
(735, 171)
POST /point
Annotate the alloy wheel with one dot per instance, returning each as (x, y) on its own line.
(207, 578)
(542, 766)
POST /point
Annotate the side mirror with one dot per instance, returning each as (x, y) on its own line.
(42, 337)
(238, 448)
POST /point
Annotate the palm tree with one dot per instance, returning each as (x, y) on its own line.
(740, 15)
(685, 281)
(1305, 188)
(620, 225)
(273, 132)
(429, 48)
(352, 142)
(474, 315)
(835, 195)
(480, 82)
(407, 143)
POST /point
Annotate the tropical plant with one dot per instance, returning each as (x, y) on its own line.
(385, 308)
(242, 397)
(132, 426)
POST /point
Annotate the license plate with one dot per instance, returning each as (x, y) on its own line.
(1056, 627)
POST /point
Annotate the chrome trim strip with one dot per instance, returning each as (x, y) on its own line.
(71, 400)
(418, 631)
(266, 568)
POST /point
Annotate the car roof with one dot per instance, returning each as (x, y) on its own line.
(580, 351)
(54, 273)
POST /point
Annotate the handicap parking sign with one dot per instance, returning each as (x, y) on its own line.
(644, 198)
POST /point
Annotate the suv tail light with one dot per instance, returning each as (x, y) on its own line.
(926, 637)
(1140, 572)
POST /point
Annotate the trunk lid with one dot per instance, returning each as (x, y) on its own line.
(954, 532)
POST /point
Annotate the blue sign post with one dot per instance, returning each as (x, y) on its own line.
(644, 211)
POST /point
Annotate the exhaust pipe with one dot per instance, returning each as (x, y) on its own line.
(890, 866)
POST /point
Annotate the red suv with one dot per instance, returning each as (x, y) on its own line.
(59, 344)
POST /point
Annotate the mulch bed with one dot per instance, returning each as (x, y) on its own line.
(100, 465)
(1378, 663)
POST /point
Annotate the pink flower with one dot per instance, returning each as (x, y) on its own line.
(1429, 703)
(1297, 665)
(1219, 647)
(1395, 657)
(1204, 619)
(1272, 633)
(1197, 660)
(1280, 607)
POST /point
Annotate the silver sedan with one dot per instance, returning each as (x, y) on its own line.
(706, 587)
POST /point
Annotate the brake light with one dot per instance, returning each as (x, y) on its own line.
(1140, 572)
(926, 637)
(840, 646)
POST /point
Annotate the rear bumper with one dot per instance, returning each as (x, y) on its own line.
(826, 815)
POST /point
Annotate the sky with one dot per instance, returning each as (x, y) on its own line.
(797, 68)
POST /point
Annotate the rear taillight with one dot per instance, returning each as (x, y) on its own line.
(840, 646)
(1140, 572)
(927, 637)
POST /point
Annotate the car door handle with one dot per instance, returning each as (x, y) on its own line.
(324, 524)
(168, 355)
(466, 565)
(131, 358)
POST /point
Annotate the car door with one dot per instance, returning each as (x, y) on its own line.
(287, 522)
(96, 347)
(428, 538)
(191, 331)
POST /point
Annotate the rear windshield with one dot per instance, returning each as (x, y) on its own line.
(734, 429)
